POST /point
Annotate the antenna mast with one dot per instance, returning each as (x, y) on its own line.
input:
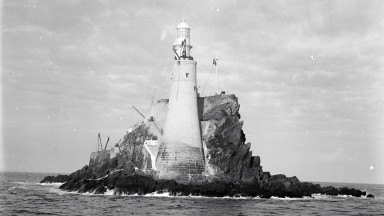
(153, 96)
(217, 82)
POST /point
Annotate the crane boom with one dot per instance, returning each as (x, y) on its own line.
(138, 111)
(101, 145)
(106, 144)
(117, 144)
(178, 57)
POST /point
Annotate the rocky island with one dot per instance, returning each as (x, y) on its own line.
(187, 145)
(231, 168)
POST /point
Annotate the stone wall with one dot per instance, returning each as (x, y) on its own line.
(99, 157)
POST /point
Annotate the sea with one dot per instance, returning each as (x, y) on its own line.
(22, 194)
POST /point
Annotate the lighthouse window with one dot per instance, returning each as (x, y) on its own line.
(186, 75)
(182, 33)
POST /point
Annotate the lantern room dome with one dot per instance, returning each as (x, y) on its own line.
(183, 25)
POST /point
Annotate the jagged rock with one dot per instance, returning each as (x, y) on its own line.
(351, 191)
(55, 179)
(213, 107)
(133, 147)
(224, 139)
(139, 184)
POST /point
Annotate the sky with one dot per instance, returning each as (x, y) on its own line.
(308, 75)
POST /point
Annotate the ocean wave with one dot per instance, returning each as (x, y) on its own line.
(62, 192)
(24, 183)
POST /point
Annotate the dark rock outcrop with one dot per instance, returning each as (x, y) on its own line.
(225, 148)
(370, 196)
(55, 179)
(139, 183)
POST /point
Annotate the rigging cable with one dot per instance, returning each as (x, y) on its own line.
(221, 75)
(205, 85)
(167, 76)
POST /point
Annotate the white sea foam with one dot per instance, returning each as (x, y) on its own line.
(344, 196)
(156, 194)
(106, 175)
(125, 194)
(237, 197)
(110, 192)
(289, 198)
(324, 196)
(89, 193)
(319, 196)
(62, 192)
(167, 194)
(51, 184)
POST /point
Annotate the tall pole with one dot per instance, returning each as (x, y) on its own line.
(217, 79)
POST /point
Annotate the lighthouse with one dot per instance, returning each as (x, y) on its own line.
(180, 154)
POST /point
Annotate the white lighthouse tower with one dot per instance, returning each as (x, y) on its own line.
(180, 154)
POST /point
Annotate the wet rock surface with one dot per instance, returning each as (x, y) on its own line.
(123, 182)
(55, 179)
(230, 167)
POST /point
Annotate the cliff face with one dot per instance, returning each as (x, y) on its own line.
(133, 150)
(226, 152)
(228, 156)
